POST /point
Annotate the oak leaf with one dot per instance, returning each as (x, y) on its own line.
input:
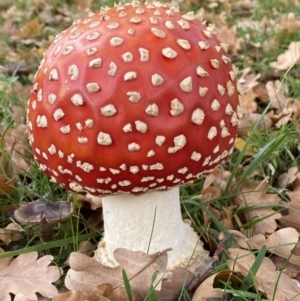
(10, 233)
(247, 81)
(287, 59)
(281, 242)
(287, 177)
(293, 209)
(276, 285)
(258, 203)
(28, 275)
(86, 273)
(102, 292)
(207, 290)
(277, 92)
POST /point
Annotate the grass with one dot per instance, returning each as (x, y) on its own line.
(275, 150)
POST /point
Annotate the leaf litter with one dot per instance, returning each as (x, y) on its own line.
(28, 275)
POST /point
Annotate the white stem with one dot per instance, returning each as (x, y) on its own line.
(149, 222)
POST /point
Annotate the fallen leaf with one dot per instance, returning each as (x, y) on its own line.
(10, 233)
(281, 242)
(249, 120)
(240, 144)
(28, 275)
(16, 144)
(171, 288)
(277, 95)
(102, 292)
(247, 103)
(86, 273)
(293, 209)
(247, 243)
(287, 59)
(287, 178)
(86, 247)
(230, 37)
(6, 186)
(289, 24)
(276, 285)
(227, 221)
(208, 291)
(30, 29)
(252, 196)
(247, 81)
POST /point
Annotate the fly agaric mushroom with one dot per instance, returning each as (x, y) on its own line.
(129, 104)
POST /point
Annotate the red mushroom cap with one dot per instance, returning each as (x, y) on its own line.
(133, 98)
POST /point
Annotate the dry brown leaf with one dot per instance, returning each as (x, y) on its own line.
(218, 177)
(254, 194)
(86, 273)
(102, 292)
(276, 285)
(240, 144)
(296, 109)
(287, 178)
(254, 242)
(296, 183)
(6, 186)
(86, 247)
(16, 144)
(30, 30)
(287, 59)
(170, 288)
(209, 194)
(277, 96)
(293, 207)
(230, 37)
(247, 81)
(227, 221)
(247, 102)
(249, 120)
(289, 24)
(281, 242)
(28, 275)
(261, 93)
(22, 297)
(10, 233)
(207, 291)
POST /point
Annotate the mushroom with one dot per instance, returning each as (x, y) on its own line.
(129, 104)
(43, 213)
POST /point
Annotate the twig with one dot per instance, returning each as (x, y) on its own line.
(210, 266)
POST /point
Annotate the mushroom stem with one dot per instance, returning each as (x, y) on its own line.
(149, 222)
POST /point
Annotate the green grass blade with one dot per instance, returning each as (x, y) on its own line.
(261, 157)
(127, 286)
(248, 281)
(152, 229)
(49, 245)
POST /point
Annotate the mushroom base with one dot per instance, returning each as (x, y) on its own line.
(150, 222)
